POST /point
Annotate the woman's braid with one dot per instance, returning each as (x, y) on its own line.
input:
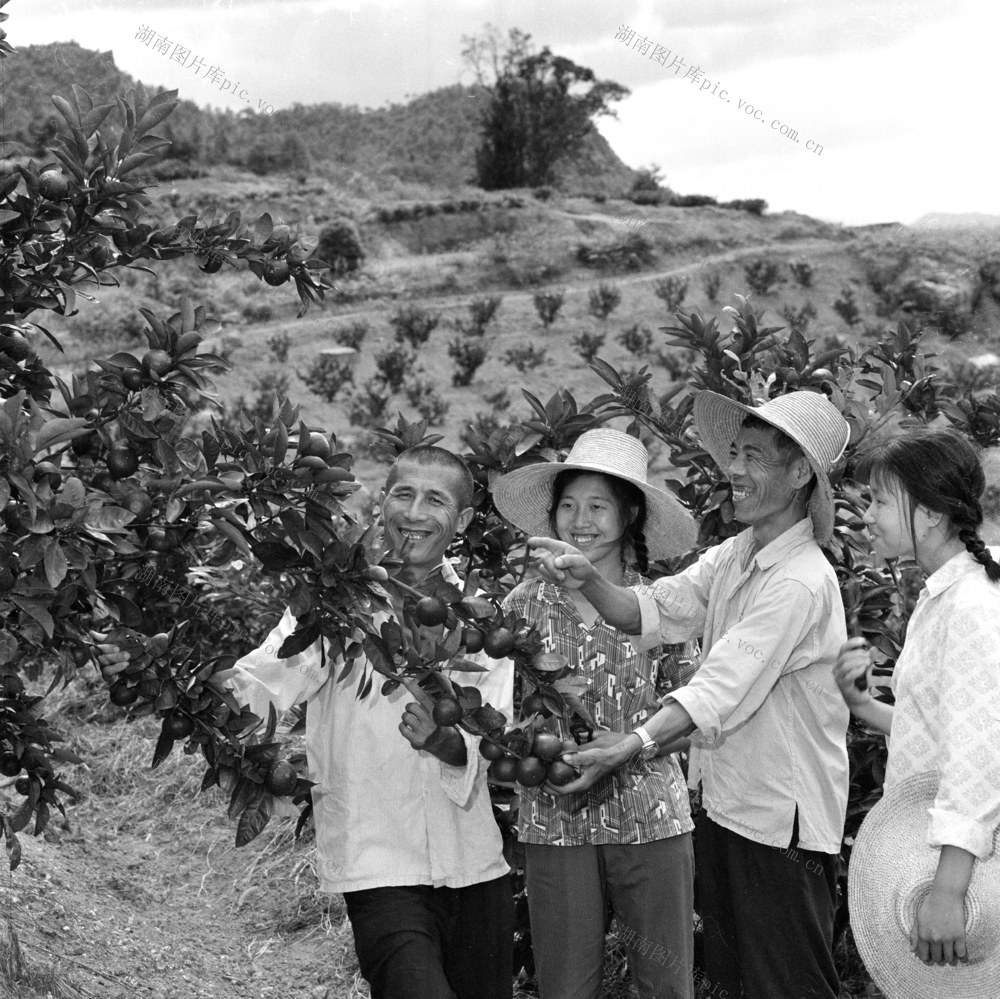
(641, 551)
(969, 537)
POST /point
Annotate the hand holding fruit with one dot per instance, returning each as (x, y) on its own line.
(560, 563)
(854, 662)
(111, 658)
(594, 764)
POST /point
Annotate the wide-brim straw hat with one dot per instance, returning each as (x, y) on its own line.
(808, 418)
(892, 868)
(524, 495)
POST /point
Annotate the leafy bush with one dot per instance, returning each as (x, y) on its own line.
(798, 319)
(603, 300)
(468, 356)
(647, 197)
(671, 290)
(482, 310)
(587, 345)
(327, 375)
(542, 193)
(525, 356)
(393, 365)
(257, 312)
(367, 404)
(692, 200)
(711, 281)
(762, 275)
(351, 334)
(755, 206)
(547, 305)
(677, 362)
(279, 345)
(847, 307)
(632, 253)
(268, 389)
(802, 272)
(498, 399)
(637, 340)
(340, 246)
(413, 324)
(422, 394)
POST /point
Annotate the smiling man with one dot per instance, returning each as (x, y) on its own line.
(404, 829)
(767, 725)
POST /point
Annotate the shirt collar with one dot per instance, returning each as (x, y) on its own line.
(956, 568)
(782, 546)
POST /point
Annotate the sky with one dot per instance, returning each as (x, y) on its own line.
(893, 103)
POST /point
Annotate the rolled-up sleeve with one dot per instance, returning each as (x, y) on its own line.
(742, 666)
(967, 808)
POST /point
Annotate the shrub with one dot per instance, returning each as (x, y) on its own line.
(258, 313)
(340, 246)
(268, 388)
(547, 305)
(328, 375)
(367, 404)
(847, 308)
(646, 197)
(677, 362)
(498, 399)
(588, 344)
(482, 311)
(279, 344)
(542, 193)
(671, 290)
(711, 282)
(422, 394)
(468, 356)
(484, 423)
(413, 324)
(351, 334)
(802, 272)
(692, 200)
(603, 300)
(524, 357)
(798, 319)
(637, 340)
(393, 364)
(631, 253)
(762, 275)
(755, 206)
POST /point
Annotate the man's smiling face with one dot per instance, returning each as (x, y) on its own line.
(421, 513)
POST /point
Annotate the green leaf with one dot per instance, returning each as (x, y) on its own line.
(56, 565)
(59, 430)
(254, 818)
(242, 795)
(163, 746)
(299, 640)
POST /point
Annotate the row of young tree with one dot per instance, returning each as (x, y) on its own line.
(105, 499)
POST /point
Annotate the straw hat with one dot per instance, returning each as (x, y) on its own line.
(525, 495)
(808, 418)
(892, 868)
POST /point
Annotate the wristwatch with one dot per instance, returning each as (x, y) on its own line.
(649, 746)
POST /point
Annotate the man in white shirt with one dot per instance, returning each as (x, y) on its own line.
(767, 725)
(406, 832)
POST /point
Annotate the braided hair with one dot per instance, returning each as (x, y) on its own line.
(939, 470)
(630, 502)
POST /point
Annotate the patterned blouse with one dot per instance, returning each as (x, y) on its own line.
(645, 800)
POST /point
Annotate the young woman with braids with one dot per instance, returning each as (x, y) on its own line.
(627, 839)
(925, 506)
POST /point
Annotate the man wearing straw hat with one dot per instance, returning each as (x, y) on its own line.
(767, 724)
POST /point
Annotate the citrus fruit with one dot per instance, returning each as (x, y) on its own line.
(10, 765)
(530, 771)
(534, 704)
(276, 272)
(157, 361)
(132, 379)
(122, 461)
(15, 346)
(317, 446)
(177, 726)
(431, 611)
(499, 643)
(503, 770)
(472, 639)
(22, 785)
(140, 504)
(490, 750)
(281, 777)
(546, 746)
(447, 711)
(122, 695)
(53, 185)
(561, 773)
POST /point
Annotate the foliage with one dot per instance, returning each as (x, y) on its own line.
(351, 334)
(671, 290)
(525, 356)
(468, 356)
(368, 404)
(588, 344)
(637, 340)
(327, 375)
(278, 154)
(762, 275)
(279, 345)
(547, 305)
(846, 307)
(802, 271)
(393, 364)
(413, 324)
(755, 206)
(603, 300)
(421, 393)
(711, 282)
(798, 319)
(632, 253)
(540, 108)
(339, 246)
(692, 200)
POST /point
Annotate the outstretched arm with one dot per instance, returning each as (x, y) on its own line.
(564, 565)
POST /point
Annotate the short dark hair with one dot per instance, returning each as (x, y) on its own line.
(429, 455)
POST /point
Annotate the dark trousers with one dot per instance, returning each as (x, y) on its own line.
(420, 942)
(767, 915)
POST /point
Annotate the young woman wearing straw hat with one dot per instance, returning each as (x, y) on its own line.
(766, 720)
(628, 838)
(925, 871)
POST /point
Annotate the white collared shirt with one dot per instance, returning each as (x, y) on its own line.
(947, 714)
(385, 813)
(771, 725)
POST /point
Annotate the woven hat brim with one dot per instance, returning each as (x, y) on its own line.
(891, 867)
(524, 496)
(719, 419)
